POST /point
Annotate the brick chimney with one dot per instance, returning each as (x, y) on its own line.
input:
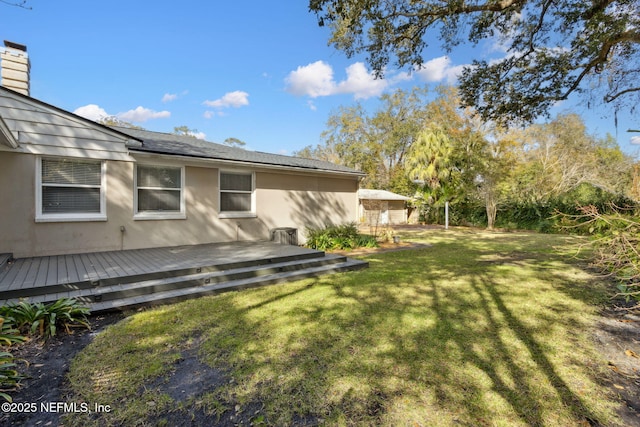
(14, 67)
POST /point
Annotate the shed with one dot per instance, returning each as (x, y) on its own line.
(382, 207)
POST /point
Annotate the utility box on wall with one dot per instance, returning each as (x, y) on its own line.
(285, 236)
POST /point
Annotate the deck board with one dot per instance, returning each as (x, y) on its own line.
(26, 275)
(41, 276)
(90, 270)
(63, 277)
(71, 269)
(117, 269)
(21, 275)
(125, 263)
(32, 274)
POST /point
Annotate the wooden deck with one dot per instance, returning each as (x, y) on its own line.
(20, 277)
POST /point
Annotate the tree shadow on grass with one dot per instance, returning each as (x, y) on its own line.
(421, 337)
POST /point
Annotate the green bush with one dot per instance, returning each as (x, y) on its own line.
(44, 319)
(616, 245)
(8, 333)
(340, 237)
(9, 376)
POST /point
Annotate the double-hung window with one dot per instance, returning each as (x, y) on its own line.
(237, 198)
(70, 190)
(159, 192)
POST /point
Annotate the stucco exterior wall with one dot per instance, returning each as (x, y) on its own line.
(301, 201)
(283, 199)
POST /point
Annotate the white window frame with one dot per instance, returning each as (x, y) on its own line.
(71, 217)
(158, 215)
(237, 214)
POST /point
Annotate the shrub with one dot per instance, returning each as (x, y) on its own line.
(44, 319)
(9, 376)
(8, 333)
(342, 237)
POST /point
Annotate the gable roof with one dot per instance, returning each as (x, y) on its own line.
(146, 141)
(182, 145)
(367, 194)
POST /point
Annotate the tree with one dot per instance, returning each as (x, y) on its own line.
(185, 131)
(559, 156)
(114, 121)
(496, 164)
(375, 143)
(347, 141)
(234, 142)
(395, 127)
(555, 48)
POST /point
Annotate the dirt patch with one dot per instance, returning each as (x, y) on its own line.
(617, 338)
(48, 364)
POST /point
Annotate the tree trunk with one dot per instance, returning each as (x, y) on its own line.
(492, 210)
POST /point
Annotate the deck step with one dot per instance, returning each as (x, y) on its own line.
(129, 294)
(35, 292)
(175, 295)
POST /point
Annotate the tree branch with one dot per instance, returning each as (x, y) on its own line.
(21, 4)
(627, 36)
(610, 98)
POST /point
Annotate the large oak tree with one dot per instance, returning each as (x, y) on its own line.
(554, 48)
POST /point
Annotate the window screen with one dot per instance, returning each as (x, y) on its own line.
(236, 192)
(159, 189)
(71, 186)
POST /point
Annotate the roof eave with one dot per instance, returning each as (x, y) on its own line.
(245, 163)
(6, 136)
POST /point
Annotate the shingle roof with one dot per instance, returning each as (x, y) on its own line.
(367, 194)
(181, 145)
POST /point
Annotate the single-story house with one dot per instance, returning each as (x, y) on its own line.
(70, 185)
(381, 207)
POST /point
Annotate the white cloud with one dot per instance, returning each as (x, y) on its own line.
(312, 80)
(635, 140)
(91, 112)
(317, 79)
(211, 114)
(234, 99)
(439, 69)
(141, 114)
(199, 135)
(312, 105)
(361, 83)
(168, 97)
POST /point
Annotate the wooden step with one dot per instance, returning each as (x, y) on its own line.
(175, 295)
(133, 289)
(33, 292)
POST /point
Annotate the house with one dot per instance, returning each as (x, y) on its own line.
(70, 185)
(381, 207)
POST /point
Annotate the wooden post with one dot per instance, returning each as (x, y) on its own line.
(446, 215)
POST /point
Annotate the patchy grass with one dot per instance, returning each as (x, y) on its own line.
(477, 329)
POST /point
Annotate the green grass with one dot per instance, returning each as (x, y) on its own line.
(477, 329)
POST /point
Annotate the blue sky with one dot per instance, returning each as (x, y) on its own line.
(258, 71)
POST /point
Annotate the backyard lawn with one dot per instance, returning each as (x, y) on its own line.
(476, 328)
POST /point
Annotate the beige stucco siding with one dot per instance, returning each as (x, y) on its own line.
(282, 200)
(300, 201)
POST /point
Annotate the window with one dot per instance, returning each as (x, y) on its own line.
(70, 190)
(236, 194)
(159, 192)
